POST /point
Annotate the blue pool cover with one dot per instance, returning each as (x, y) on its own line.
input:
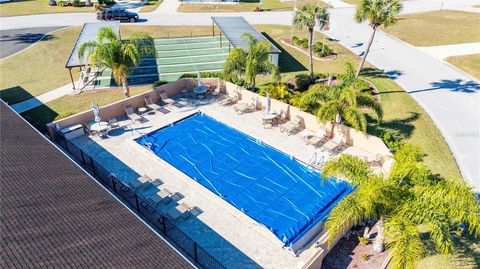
(264, 183)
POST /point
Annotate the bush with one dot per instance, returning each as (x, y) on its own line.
(365, 257)
(62, 4)
(160, 82)
(77, 3)
(296, 40)
(322, 50)
(203, 75)
(64, 115)
(276, 91)
(392, 143)
(302, 81)
(305, 45)
(363, 240)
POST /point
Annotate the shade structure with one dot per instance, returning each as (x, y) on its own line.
(234, 27)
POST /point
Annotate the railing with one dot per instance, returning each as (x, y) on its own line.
(155, 219)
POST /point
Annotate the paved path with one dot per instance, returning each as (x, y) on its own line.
(167, 6)
(42, 99)
(14, 41)
(442, 52)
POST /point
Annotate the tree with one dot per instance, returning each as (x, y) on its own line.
(377, 13)
(308, 17)
(411, 195)
(250, 62)
(108, 51)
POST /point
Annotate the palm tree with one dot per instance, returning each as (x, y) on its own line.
(377, 13)
(250, 62)
(411, 195)
(308, 17)
(108, 51)
(346, 103)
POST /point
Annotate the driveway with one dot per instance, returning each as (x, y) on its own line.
(13, 41)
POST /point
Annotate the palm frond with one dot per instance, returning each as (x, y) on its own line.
(355, 118)
(404, 243)
(347, 166)
(328, 111)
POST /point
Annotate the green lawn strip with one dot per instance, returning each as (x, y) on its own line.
(150, 6)
(247, 6)
(353, 2)
(72, 104)
(437, 28)
(15, 8)
(468, 63)
(38, 69)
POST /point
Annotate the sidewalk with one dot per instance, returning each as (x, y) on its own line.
(442, 52)
(42, 98)
(167, 7)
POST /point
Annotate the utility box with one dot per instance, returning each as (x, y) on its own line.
(72, 132)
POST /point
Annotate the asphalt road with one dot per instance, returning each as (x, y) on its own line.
(13, 41)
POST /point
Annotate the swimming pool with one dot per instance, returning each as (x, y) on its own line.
(272, 188)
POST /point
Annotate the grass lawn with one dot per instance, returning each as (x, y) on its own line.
(38, 69)
(437, 28)
(151, 5)
(73, 104)
(247, 6)
(468, 63)
(353, 2)
(27, 7)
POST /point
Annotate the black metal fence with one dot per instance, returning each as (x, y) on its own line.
(155, 218)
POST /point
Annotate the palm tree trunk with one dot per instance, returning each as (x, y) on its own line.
(310, 41)
(126, 89)
(379, 242)
(370, 41)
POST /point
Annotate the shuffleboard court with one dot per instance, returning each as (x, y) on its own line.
(175, 57)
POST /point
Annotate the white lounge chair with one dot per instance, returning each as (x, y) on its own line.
(165, 100)
(292, 126)
(230, 100)
(150, 104)
(246, 107)
(181, 210)
(335, 144)
(318, 139)
(131, 114)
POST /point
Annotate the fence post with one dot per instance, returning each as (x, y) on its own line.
(136, 202)
(93, 167)
(195, 252)
(163, 225)
(83, 158)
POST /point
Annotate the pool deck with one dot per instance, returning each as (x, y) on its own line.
(232, 237)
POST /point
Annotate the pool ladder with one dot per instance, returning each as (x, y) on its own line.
(316, 164)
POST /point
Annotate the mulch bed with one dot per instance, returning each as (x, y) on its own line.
(289, 43)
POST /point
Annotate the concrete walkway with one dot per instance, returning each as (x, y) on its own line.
(42, 98)
(442, 52)
(167, 6)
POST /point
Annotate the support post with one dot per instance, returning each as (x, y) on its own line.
(213, 28)
(71, 77)
(220, 39)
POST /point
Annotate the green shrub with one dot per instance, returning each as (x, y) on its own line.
(365, 257)
(296, 40)
(62, 4)
(363, 240)
(322, 50)
(302, 81)
(203, 75)
(391, 142)
(276, 91)
(305, 45)
(77, 3)
(160, 82)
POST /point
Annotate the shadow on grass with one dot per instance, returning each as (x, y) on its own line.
(465, 255)
(14, 95)
(40, 116)
(400, 128)
(286, 62)
(26, 38)
(369, 72)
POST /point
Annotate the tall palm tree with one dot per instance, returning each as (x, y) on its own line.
(250, 62)
(308, 17)
(108, 51)
(377, 13)
(411, 195)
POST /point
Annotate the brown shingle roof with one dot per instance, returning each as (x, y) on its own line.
(54, 215)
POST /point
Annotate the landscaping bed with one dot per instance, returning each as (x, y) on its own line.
(326, 55)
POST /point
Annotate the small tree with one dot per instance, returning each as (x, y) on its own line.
(250, 62)
(377, 13)
(308, 17)
(410, 196)
(111, 52)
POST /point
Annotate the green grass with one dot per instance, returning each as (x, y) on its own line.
(38, 69)
(437, 28)
(353, 2)
(247, 6)
(28, 7)
(468, 63)
(151, 5)
(72, 104)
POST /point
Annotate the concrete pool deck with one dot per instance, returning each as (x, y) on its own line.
(223, 231)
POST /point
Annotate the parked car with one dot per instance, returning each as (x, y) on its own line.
(116, 14)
